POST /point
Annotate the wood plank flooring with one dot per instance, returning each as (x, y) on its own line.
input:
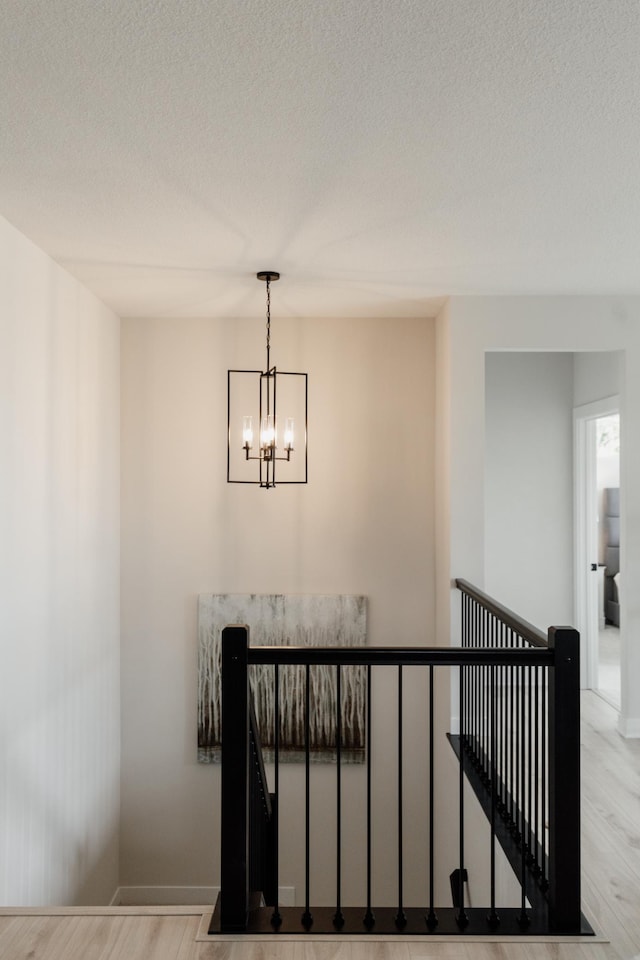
(611, 894)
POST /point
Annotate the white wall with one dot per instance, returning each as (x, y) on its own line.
(477, 325)
(529, 484)
(363, 524)
(59, 559)
(596, 376)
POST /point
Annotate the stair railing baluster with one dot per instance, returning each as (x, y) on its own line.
(544, 881)
(338, 917)
(493, 918)
(307, 918)
(369, 918)
(276, 917)
(401, 918)
(432, 919)
(461, 919)
(524, 918)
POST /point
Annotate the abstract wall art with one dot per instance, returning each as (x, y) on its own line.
(295, 620)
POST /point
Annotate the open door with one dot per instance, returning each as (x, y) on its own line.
(595, 429)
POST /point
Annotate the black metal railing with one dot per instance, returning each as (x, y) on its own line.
(520, 729)
(517, 744)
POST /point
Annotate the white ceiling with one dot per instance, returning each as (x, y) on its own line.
(381, 154)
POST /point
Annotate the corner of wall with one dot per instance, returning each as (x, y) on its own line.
(443, 477)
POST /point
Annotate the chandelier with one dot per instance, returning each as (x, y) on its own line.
(279, 451)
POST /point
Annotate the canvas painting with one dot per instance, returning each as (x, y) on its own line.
(304, 620)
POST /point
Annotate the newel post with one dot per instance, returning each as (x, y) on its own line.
(564, 781)
(234, 855)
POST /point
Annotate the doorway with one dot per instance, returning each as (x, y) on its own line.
(598, 576)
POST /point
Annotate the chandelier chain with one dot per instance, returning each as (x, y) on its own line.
(268, 320)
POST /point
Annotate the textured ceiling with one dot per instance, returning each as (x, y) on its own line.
(381, 154)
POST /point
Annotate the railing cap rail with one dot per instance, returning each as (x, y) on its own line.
(402, 656)
(523, 628)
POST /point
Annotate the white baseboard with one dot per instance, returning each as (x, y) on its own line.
(181, 896)
(629, 727)
(163, 896)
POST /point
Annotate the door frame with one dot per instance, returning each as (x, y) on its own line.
(585, 540)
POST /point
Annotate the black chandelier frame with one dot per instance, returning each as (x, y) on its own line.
(267, 456)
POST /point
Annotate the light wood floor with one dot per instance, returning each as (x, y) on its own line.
(609, 664)
(611, 894)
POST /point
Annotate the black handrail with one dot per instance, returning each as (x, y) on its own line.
(399, 656)
(499, 652)
(522, 627)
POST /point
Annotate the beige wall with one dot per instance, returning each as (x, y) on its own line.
(59, 561)
(363, 524)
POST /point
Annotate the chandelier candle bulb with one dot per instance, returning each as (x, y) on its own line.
(288, 434)
(247, 433)
(268, 434)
